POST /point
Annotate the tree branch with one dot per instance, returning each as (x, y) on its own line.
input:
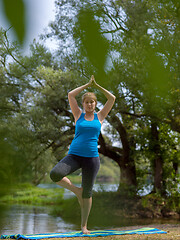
(109, 151)
(16, 60)
(114, 22)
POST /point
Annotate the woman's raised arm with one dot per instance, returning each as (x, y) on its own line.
(76, 111)
(110, 100)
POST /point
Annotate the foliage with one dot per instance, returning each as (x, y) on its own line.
(94, 45)
(14, 11)
(108, 169)
(143, 74)
(140, 51)
(28, 194)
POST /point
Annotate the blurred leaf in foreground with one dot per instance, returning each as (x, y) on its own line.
(15, 14)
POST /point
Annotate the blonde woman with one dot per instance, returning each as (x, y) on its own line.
(83, 152)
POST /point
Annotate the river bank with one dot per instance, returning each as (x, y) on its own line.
(110, 203)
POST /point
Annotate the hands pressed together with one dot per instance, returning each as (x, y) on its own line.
(92, 82)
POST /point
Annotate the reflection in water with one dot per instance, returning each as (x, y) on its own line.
(23, 219)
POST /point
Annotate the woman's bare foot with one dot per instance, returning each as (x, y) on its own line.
(85, 230)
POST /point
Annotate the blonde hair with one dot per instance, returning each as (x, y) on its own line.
(89, 94)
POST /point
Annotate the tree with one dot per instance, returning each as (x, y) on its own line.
(145, 112)
(14, 11)
(20, 145)
(142, 71)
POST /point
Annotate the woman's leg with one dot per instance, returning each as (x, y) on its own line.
(85, 203)
(90, 169)
(66, 166)
(66, 183)
(85, 210)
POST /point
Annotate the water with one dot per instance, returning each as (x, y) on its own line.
(25, 219)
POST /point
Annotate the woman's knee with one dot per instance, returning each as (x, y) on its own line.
(55, 176)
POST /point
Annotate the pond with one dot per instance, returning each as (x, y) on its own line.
(26, 219)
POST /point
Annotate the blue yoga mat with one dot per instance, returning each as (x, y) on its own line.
(80, 234)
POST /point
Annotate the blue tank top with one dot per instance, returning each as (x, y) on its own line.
(85, 142)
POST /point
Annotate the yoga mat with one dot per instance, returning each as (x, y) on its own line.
(98, 233)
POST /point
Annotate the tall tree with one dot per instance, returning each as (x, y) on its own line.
(141, 70)
(130, 70)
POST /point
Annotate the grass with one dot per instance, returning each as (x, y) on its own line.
(29, 194)
(76, 179)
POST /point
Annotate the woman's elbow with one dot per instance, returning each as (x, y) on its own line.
(113, 98)
(69, 95)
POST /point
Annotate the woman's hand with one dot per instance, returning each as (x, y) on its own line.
(92, 81)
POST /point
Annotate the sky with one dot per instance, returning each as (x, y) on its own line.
(39, 13)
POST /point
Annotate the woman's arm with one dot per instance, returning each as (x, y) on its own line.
(110, 100)
(72, 99)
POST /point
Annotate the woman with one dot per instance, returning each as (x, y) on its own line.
(83, 152)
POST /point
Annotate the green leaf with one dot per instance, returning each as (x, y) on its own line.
(15, 13)
(92, 40)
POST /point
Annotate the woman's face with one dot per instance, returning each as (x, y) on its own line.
(89, 104)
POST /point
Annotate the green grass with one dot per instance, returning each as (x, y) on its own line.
(29, 194)
(76, 179)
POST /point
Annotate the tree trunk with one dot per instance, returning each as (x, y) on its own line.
(123, 157)
(175, 167)
(127, 165)
(158, 173)
(158, 160)
(127, 176)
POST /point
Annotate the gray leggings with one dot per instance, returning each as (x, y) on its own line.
(70, 164)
